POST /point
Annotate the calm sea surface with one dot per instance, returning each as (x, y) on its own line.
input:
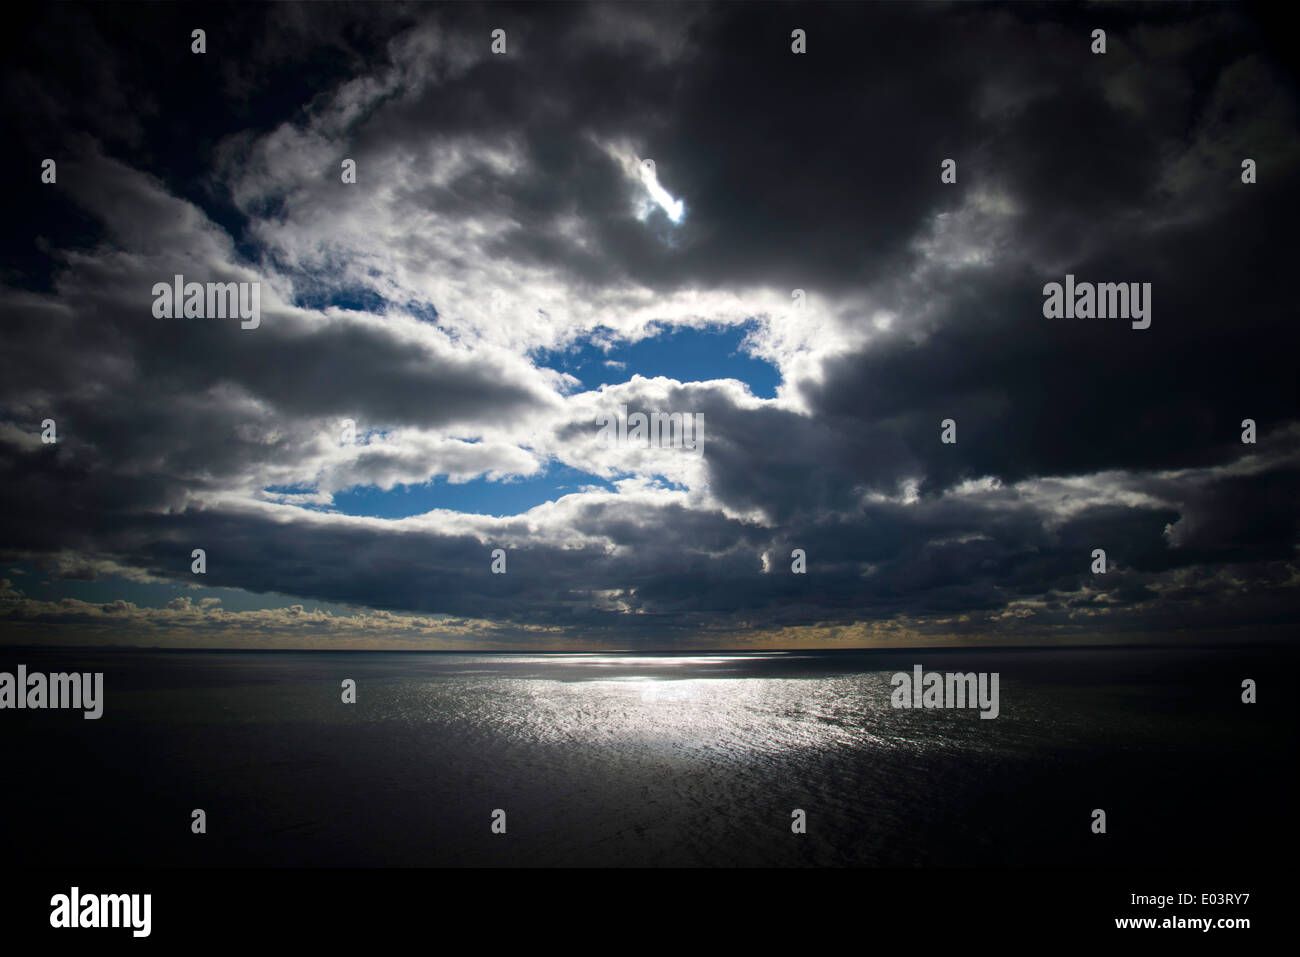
(652, 760)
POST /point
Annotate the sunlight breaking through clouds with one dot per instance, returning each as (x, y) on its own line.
(675, 208)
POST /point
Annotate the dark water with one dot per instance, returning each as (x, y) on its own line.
(653, 760)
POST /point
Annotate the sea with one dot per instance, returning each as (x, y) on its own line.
(653, 760)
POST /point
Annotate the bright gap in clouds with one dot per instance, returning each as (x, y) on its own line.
(675, 208)
(323, 292)
(479, 496)
(323, 296)
(684, 353)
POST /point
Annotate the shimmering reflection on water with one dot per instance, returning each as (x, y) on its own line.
(648, 759)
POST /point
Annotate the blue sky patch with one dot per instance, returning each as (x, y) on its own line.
(681, 352)
(480, 496)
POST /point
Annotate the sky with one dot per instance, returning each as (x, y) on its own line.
(648, 208)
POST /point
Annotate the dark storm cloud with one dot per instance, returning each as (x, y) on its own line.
(671, 579)
(1034, 396)
(794, 170)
